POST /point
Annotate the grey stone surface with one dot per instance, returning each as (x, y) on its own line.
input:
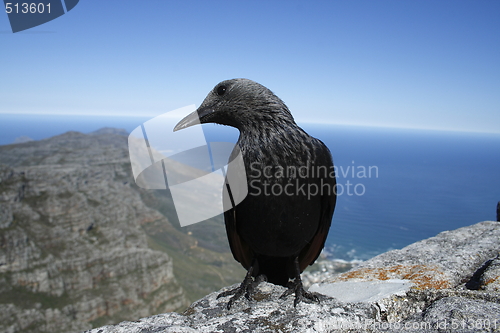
(265, 313)
(447, 260)
(439, 268)
(490, 279)
(463, 313)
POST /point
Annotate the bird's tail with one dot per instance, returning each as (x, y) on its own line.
(276, 269)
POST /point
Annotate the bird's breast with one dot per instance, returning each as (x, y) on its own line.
(282, 211)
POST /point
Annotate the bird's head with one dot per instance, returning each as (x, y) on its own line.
(239, 103)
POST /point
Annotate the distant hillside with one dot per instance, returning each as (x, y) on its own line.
(110, 130)
(82, 246)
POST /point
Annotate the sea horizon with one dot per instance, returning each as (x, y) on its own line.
(427, 181)
(16, 125)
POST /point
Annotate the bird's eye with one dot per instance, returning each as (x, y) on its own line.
(221, 90)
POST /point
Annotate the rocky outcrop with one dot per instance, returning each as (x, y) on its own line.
(73, 254)
(445, 283)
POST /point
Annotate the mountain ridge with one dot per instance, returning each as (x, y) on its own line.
(82, 246)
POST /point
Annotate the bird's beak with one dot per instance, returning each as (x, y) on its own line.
(194, 118)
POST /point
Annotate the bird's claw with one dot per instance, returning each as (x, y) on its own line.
(300, 294)
(247, 288)
(236, 292)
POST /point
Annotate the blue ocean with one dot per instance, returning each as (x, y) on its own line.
(396, 186)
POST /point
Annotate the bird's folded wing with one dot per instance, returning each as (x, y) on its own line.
(240, 249)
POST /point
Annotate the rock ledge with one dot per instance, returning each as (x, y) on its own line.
(450, 282)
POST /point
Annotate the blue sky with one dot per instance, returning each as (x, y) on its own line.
(417, 64)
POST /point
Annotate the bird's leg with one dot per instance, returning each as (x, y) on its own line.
(246, 288)
(296, 287)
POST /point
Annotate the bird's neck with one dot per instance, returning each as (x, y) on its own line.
(275, 143)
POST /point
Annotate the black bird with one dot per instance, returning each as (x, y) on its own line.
(281, 226)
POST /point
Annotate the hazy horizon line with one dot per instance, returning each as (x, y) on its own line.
(298, 120)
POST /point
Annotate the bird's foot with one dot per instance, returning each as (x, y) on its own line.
(296, 287)
(247, 288)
